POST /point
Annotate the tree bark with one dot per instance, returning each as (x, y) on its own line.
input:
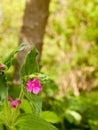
(33, 28)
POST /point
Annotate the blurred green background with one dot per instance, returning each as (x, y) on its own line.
(69, 57)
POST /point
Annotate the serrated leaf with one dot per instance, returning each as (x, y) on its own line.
(33, 122)
(30, 64)
(8, 60)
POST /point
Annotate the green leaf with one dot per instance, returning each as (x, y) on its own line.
(1, 127)
(73, 116)
(2, 118)
(7, 111)
(30, 64)
(3, 87)
(25, 106)
(35, 102)
(50, 116)
(43, 78)
(8, 60)
(33, 122)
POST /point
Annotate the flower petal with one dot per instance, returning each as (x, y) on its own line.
(18, 101)
(36, 81)
(2, 66)
(29, 86)
(35, 90)
(10, 98)
(14, 102)
(34, 86)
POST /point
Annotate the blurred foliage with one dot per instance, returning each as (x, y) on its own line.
(70, 112)
(70, 58)
(11, 13)
(71, 35)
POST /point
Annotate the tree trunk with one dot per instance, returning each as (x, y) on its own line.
(33, 28)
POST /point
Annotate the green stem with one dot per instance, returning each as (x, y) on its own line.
(7, 111)
(63, 126)
(15, 114)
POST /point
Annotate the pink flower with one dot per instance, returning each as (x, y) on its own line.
(2, 66)
(34, 86)
(14, 102)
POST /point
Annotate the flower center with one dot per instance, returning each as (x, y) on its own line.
(33, 85)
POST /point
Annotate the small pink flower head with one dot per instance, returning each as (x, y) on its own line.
(34, 86)
(14, 103)
(2, 66)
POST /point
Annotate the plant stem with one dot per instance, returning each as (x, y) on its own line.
(15, 114)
